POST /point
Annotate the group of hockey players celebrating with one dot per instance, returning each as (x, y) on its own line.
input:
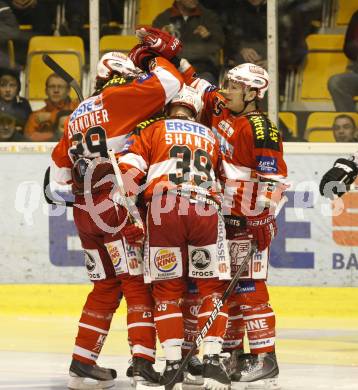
(204, 173)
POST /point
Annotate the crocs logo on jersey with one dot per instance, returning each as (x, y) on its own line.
(93, 103)
(114, 255)
(90, 262)
(200, 258)
(165, 260)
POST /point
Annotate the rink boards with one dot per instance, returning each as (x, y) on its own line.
(43, 284)
(313, 248)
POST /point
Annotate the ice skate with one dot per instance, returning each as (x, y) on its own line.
(214, 374)
(143, 371)
(234, 364)
(169, 372)
(87, 377)
(193, 374)
(129, 372)
(261, 371)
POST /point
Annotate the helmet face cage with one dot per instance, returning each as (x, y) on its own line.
(190, 98)
(116, 63)
(250, 75)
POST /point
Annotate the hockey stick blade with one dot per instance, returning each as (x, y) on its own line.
(53, 65)
(48, 194)
(206, 327)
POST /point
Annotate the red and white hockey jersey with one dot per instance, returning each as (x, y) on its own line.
(252, 156)
(174, 153)
(102, 122)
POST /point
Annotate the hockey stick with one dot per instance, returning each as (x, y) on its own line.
(52, 64)
(207, 326)
(48, 193)
(125, 200)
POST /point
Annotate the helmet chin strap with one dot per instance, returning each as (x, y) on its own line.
(246, 103)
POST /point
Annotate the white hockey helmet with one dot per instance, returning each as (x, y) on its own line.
(188, 97)
(251, 75)
(118, 63)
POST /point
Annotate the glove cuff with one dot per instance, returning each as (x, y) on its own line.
(260, 220)
(349, 166)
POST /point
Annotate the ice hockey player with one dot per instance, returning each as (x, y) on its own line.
(124, 97)
(193, 373)
(254, 176)
(180, 158)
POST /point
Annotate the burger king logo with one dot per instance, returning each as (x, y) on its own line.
(165, 260)
(114, 254)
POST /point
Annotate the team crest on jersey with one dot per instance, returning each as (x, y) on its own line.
(165, 260)
(225, 147)
(91, 104)
(226, 128)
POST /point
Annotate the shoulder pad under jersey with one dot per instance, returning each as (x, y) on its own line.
(142, 125)
(265, 132)
(116, 82)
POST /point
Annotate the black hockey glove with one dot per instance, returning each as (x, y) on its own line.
(338, 179)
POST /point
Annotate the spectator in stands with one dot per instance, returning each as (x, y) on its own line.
(39, 14)
(344, 128)
(200, 31)
(39, 18)
(14, 110)
(41, 123)
(9, 30)
(8, 132)
(111, 13)
(60, 123)
(77, 17)
(245, 24)
(247, 32)
(344, 86)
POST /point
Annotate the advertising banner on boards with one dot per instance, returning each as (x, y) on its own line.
(317, 244)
